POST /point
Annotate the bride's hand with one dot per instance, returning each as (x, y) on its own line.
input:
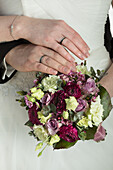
(26, 58)
(49, 33)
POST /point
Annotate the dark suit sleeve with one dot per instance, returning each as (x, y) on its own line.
(5, 47)
(108, 39)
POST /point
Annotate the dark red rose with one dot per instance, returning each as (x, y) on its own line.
(68, 133)
(33, 117)
(72, 89)
(59, 101)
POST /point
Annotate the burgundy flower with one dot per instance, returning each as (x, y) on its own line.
(68, 133)
(72, 89)
(64, 77)
(82, 105)
(80, 77)
(59, 101)
(46, 99)
(52, 126)
(90, 87)
(72, 74)
(28, 103)
(33, 117)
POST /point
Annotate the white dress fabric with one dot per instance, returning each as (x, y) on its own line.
(17, 148)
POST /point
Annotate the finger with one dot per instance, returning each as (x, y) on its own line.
(68, 44)
(77, 42)
(60, 49)
(71, 30)
(42, 68)
(48, 61)
(61, 60)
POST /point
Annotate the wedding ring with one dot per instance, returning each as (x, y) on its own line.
(62, 40)
(40, 61)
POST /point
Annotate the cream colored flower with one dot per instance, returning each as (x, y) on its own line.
(71, 103)
(50, 83)
(40, 132)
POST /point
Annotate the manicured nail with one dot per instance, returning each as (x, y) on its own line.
(55, 72)
(73, 68)
(66, 70)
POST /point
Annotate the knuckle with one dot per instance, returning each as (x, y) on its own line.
(58, 48)
(38, 66)
(48, 38)
(60, 67)
(67, 42)
(47, 60)
(48, 70)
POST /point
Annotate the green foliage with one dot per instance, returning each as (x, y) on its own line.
(52, 108)
(105, 101)
(28, 123)
(22, 93)
(46, 110)
(75, 116)
(62, 144)
(90, 132)
(22, 102)
(82, 135)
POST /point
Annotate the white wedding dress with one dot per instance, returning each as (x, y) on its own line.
(17, 148)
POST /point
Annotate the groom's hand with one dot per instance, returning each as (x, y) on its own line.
(50, 33)
(26, 58)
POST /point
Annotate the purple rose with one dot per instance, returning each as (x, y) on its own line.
(58, 100)
(52, 126)
(90, 87)
(68, 133)
(82, 105)
(72, 89)
(46, 99)
(28, 103)
(100, 134)
(80, 77)
(33, 117)
(64, 77)
(72, 74)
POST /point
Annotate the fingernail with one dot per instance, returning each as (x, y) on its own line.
(83, 56)
(73, 68)
(87, 54)
(55, 72)
(66, 70)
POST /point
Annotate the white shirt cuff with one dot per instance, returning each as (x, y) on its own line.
(8, 69)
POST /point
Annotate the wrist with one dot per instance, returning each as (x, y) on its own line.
(19, 30)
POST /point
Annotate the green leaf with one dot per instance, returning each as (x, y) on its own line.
(90, 132)
(22, 93)
(105, 101)
(53, 108)
(63, 144)
(82, 135)
(28, 123)
(46, 110)
(98, 72)
(92, 71)
(31, 133)
(84, 62)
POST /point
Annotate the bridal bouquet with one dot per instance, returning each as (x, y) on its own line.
(64, 109)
